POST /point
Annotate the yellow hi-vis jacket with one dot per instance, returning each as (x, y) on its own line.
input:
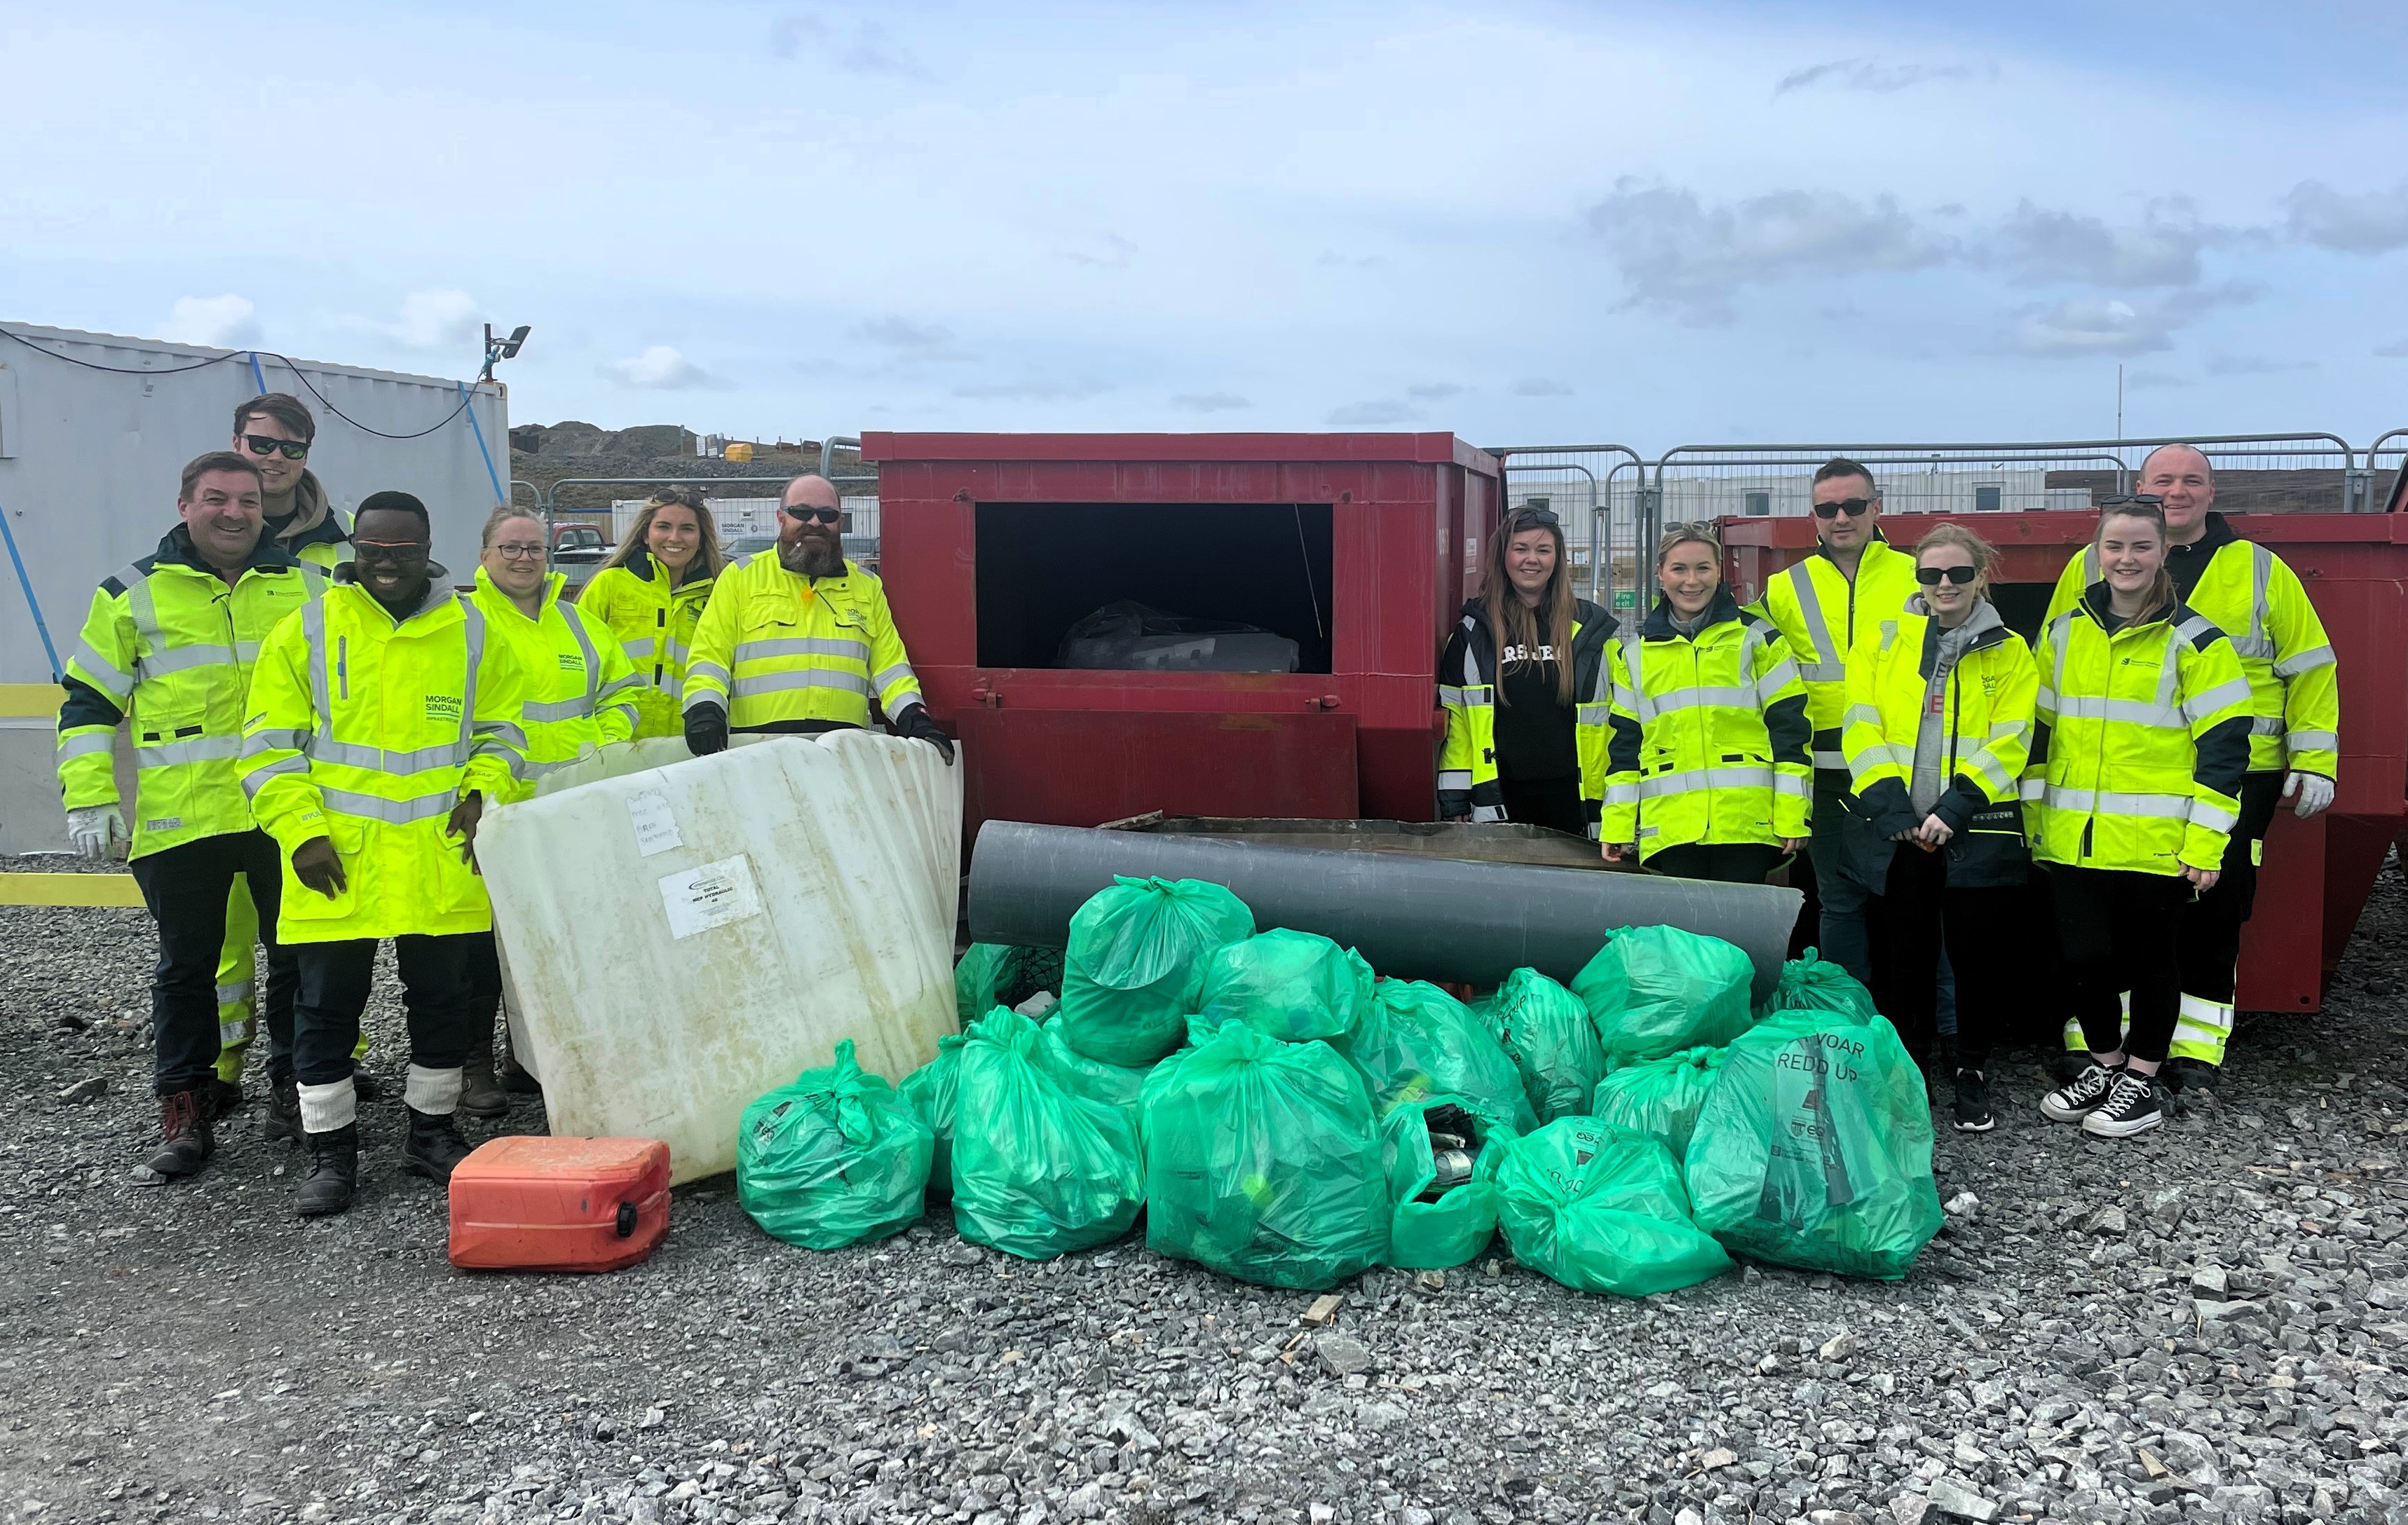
(365, 729)
(580, 688)
(2141, 742)
(1709, 735)
(780, 651)
(654, 623)
(1985, 714)
(169, 646)
(2262, 607)
(1822, 613)
(1467, 678)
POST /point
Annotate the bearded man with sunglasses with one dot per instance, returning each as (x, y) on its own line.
(1853, 581)
(799, 642)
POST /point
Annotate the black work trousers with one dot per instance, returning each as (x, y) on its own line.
(2210, 946)
(1545, 802)
(1726, 863)
(1907, 925)
(435, 995)
(484, 988)
(186, 888)
(2119, 932)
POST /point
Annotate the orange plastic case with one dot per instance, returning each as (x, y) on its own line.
(528, 1204)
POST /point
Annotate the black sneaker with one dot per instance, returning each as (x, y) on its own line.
(2135, 1106)
(1973, 1102)
(2081, 1096)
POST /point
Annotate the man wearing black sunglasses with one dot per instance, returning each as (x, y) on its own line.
(1821, 605)
(276, 434)
(802, 642)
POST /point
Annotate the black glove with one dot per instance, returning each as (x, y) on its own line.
(706, 730)
(918, 725)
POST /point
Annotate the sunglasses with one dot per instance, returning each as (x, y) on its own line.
(1853, 507)
(295, 449)
(2133, 499)
(1532, 516)
(1929, 576)
(804, 516)
(388, 551)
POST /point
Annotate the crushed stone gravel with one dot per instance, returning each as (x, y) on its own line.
(2203, 1324)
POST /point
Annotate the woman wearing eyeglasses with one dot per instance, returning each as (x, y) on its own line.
(1936, 730)
(1508, 681)
(1709, 774)
(2138, 754)
(651, 592)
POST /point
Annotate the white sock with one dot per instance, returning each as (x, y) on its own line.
(434, 1093)
(326, 1108)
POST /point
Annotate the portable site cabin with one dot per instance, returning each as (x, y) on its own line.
(94, 429)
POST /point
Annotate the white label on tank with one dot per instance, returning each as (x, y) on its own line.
(711, 896)
(655, 826)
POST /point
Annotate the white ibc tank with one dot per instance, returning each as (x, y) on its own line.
(683, 933)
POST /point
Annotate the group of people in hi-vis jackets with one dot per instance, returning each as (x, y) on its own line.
(1873, 724)
(319, 720)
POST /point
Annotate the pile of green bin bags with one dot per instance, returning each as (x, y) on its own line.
(1277, 1112)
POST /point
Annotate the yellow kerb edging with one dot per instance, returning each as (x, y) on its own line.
(31, 701)
(69, 889)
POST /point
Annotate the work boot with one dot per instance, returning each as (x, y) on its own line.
(434, 1146)
(367, 1087)
(186, 1140)
(283, 1113)
(225, 1097)
(480, 1094)
(2195, 1080)
(514, 1076)
(334, 1173)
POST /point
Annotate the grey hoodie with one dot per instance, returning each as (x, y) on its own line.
(1942, 650)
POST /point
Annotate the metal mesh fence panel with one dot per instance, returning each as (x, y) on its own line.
(1596, 490)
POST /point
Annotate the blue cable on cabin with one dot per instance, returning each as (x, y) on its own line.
(465, 407)
(58, 674)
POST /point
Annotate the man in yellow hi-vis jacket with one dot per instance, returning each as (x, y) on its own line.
(169, 645)
(2295, 726)
(799, 642)
(380, 720)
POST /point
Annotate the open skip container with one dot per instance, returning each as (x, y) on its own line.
(528, 1204)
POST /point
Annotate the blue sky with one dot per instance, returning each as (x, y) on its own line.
(1526, 222)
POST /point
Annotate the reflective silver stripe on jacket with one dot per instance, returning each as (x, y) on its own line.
(886, 677)
(2300, 662)
(2255, 642)
(393, 812)
(560, 710)
(806, 678)
(86, 742)
(2312, 741)
(104, 674)
(801, 646)
(1829, 665)
(168, 754)
(1696, 778)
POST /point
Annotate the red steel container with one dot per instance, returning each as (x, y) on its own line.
(530, 1204)
(1361, 547)
(2316, 873)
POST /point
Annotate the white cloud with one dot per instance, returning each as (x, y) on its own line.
(1434, 392)
(2094, 325)
(2374, 222)
(866, 47)
(2255, 365)
(1873, 77)
(1210, 402)
(660, 368)
(2039, 247)
(1679, 256)
(436, 320)
(1381, 412)
(221, 322)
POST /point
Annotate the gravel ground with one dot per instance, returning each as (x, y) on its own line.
(2201, 1324)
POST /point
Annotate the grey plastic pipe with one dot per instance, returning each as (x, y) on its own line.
(1412, 917)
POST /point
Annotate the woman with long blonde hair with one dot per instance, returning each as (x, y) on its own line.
(1510, 681)
(651, 592)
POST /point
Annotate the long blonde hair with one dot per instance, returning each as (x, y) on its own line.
(708, 560)
(1984, 554)
(1510, 622)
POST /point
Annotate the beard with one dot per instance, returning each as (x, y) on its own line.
(813, 555)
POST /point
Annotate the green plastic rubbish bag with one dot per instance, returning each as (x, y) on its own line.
(1660, 1098)
(1814, 1149)
(1263, 1162)
(1090, 1079)
(1655, 991)
(835, 1159)
(1037, 1172)
(1601, 1209)
(1416, 1041)
(985, 976)
(930, 1090)
(1292, 984)
(1546, 1032)
(1813, 983)
(1454, 1226)
(1134, 964)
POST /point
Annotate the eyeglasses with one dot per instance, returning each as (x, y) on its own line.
(2133, 499)
(520, 554)
(804, 516)
(295, 449)
(1929, 576)
(1853, 507)
(389, 552)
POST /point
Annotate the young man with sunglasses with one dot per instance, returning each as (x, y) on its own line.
(275, 433)
(2295, 725)
(1822, 607)
(799, 642)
